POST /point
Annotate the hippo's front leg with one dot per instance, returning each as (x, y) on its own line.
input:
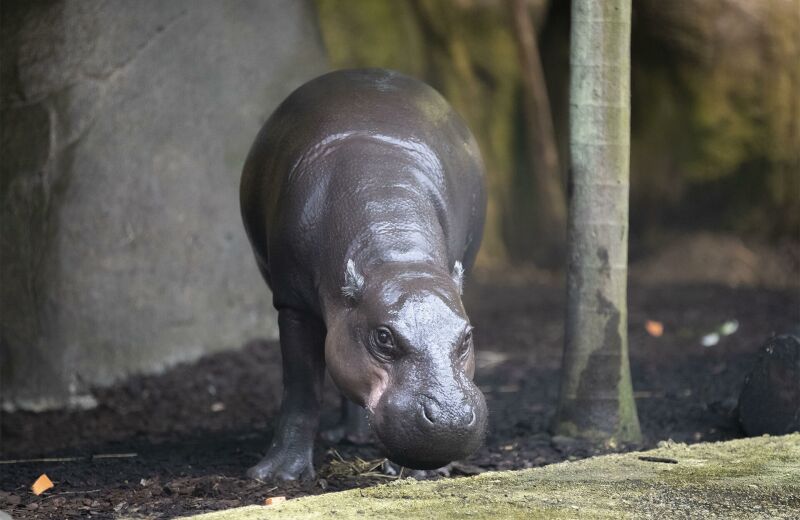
(290, 455)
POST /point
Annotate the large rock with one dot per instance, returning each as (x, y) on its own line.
(770, 399)
(124, 128)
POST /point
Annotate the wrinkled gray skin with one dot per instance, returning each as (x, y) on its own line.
(363, 196)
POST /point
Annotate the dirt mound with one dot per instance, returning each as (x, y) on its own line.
(720, 259)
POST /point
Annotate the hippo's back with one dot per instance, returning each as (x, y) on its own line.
(282, 176)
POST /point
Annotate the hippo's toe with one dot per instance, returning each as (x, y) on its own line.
(282, 466)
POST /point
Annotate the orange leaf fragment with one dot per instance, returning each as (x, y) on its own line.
(42, 484)
(654, 328)
(271, 501)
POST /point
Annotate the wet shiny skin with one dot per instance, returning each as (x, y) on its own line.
(360, 195)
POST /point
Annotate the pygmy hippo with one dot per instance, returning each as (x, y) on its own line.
(363, 198)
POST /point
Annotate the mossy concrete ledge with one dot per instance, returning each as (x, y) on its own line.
(747, 478)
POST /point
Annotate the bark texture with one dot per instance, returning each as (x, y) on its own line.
(596, 398)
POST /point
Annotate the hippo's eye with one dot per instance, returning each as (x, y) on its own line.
(466, 346)
(384, 337)
(383, 343)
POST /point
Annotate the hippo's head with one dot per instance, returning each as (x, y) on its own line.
(402, 348)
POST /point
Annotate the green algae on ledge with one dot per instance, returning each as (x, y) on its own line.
(745, 478)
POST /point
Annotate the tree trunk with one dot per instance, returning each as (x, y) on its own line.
(551, 206)
(596, 397)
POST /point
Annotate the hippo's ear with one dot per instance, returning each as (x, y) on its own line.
(458, 276)
(353, 283)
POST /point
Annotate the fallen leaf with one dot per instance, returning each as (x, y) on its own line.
(654, 328)
(271, 501)
(42, 484)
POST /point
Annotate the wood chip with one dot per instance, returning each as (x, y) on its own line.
(42, 484)
(271, 501)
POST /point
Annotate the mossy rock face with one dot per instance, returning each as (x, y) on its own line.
(747, 478)
(715, 136)
(770, 398)
(372, 34)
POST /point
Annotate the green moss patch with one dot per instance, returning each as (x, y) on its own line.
(747, 478)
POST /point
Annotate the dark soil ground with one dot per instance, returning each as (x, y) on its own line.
(190, 433)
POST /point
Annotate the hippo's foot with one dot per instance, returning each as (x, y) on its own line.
(282, 465)
(341, 433)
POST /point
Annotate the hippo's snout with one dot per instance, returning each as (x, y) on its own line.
(421, 431)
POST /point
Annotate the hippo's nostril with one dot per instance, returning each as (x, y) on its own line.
(426, 414)
(472, 419)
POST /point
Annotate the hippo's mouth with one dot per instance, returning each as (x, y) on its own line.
(429, 437)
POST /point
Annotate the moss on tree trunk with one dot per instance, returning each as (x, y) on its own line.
(596, 398)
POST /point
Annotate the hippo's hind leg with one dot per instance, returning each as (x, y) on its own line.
(290, 455)
(354, 425)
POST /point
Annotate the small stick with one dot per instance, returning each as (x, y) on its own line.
(665, 460)
(115, 455)
(48, 459)
(54, 495)
(72, 459)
